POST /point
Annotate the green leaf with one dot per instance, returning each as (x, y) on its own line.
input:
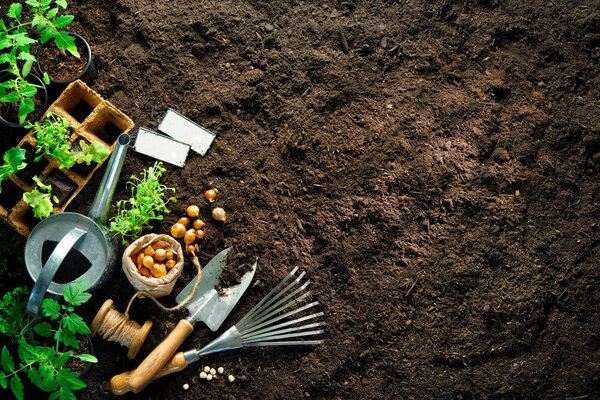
(2, 25)
(26, 57)
(69, 379)
(43, 329)
(88, 358)
(8, 364)
(52, 13)
(27, 352)
(98, 151)
(3, 381)
(44, 378)
(77, 295)
(51, 308)
(14, 11)
(14, 158)
(75, 324)
(46, 78)
(17, 387)
(63, 21)
(27, 67)
(61, 3)
(10, 98)
(66, 42)
(29, 91)
(67, 338)
(61, 359)
(63, 393)
(39, 202)
(47, 34)
(26, 107)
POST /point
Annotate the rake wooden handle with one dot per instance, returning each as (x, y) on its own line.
(144, 373)
(119, 384)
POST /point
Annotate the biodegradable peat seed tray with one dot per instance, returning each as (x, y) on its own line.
(94, 119)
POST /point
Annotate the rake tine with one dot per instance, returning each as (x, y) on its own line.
(268, 335)
(253, 323)
(287, 343)
(290, 335)
(267, 306)
(280, 302)
(260, 303)
(316, 315)
(280, 317)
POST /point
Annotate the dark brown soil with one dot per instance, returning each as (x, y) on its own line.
(10, 111)
(62, 67)
(433, 166)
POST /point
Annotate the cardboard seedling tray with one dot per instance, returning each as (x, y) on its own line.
(94, 119)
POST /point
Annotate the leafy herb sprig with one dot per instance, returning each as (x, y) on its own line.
(14, 161)
(15, 44)
(146, 203)
(52, 138)
(13, 320)
(40, 199)
(45, 365)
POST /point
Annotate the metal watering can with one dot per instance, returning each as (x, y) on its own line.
(82, 243)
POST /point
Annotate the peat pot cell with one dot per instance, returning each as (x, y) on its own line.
(33, 168)
(81, 110)
(10, 195)
(62, 186)
(108, 132)
(82, 169)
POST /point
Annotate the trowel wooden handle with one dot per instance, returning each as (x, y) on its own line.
(119, 384)
(143, 374)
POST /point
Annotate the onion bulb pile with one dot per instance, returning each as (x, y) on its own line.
(155, 260)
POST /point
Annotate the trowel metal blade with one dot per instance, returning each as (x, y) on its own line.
(207, 305)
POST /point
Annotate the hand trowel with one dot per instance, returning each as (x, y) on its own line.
(207, 305)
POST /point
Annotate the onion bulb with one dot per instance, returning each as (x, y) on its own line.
(160, 255)
(219, 214)
(185, 221)
(178, 230)
(190, 236)
(170, 264)
(198, 224)
(149, 251)
(148, 262)
(211, 194)
(193, 211)
(170, 255)
(190, 248)
(159, 270)
(200, 234)
(145, 272)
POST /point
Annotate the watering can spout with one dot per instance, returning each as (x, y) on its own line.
(101, 205)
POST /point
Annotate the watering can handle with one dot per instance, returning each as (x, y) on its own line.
(50, 267)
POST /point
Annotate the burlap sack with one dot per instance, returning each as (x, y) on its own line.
(156, 287)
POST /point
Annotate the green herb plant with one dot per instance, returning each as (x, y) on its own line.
(14, 322)
(145, 204)
(45, 365)
(14, 161)
(15, 48)
(40, 199)
(52, 138)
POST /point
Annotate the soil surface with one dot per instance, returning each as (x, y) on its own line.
(62, 67)
(433, 166)
(10, 111)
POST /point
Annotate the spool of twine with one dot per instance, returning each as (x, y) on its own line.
(117, 327)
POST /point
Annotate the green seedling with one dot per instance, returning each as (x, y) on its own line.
(14, 161)
(14, 322)
(52, 138)
(146, 203)
(15, 48)
(40, 199)
(44, 364)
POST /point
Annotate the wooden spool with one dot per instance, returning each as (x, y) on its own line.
(133, 340)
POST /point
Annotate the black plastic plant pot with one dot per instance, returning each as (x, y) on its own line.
(14, 127)
(88, 74)
(92, 352)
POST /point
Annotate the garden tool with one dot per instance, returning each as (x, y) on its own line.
(267, 324)
(207, 305)
(86, 246)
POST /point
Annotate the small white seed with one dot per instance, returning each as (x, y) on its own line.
(203, 375)
(213, 371)
(209, 377)
(231, 378)
(220, 370)
(186, 386)
(207, 369)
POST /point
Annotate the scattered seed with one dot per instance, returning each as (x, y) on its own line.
(207, 369)
(231, 378)
(213, 371)
(209, 377)
(203, 375)
(220, 370)
(186, 386)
